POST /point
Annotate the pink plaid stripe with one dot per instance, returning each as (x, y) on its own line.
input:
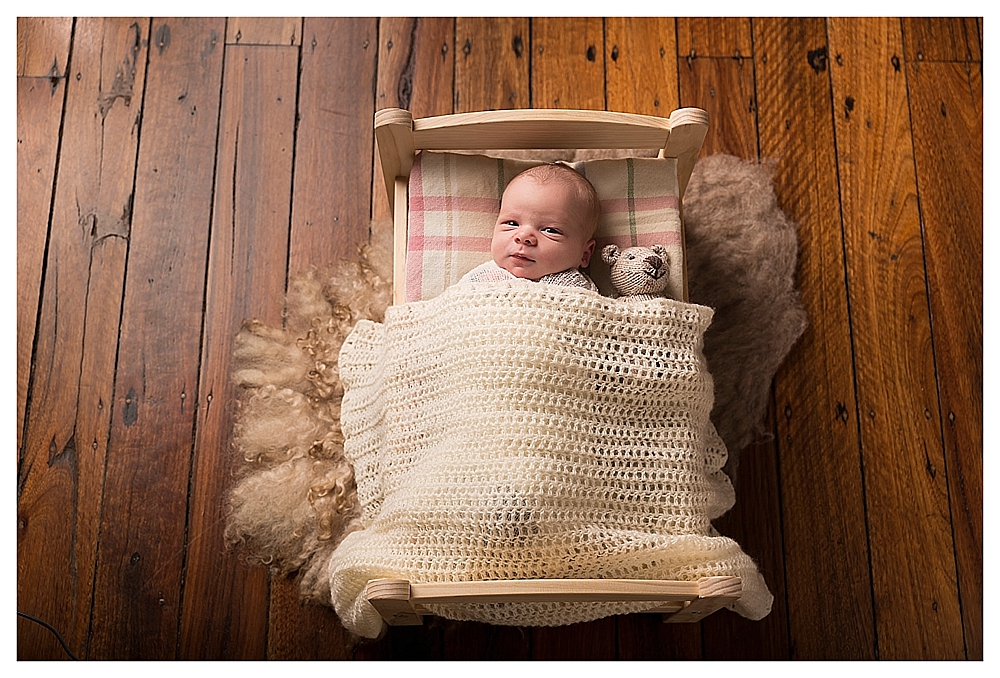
(458, 243)
(447, 203)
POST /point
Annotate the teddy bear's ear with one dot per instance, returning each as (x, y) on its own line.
(660, 251)
(610, 254)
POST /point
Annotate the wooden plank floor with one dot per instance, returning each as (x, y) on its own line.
(172, 175)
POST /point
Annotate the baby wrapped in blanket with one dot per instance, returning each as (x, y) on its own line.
(515, 430)
(521, 431)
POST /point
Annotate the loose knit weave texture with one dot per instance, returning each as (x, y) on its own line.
(518, 430)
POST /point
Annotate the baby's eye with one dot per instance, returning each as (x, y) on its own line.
(551, 230)
(510, 222)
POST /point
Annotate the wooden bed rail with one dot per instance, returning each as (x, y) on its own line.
(399, 136)
(403, 603)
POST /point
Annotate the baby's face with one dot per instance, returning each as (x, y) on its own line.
(540, 229)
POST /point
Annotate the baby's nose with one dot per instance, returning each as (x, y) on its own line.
(524, 238)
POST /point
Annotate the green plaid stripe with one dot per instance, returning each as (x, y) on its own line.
(630, 166)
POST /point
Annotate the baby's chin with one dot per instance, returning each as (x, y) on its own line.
(528, 270)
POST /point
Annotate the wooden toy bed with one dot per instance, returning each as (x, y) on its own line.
(400, 140)
(418, 171)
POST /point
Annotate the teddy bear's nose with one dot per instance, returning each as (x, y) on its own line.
(654, 261)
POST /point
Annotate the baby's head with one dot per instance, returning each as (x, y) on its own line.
(547, 220)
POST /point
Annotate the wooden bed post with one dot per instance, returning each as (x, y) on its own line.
(688, 127)
(391, 598)
(395, 150)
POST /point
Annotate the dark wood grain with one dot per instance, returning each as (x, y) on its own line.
(264, 31)
(640, 56)
(912, 551)
(471, 641)
(246, 279)
(42, 54)
(589, 641)
(715, 37)
(43, 46)
(140, 565)
(407, 643)
(821, 487)
(754, 523)
(646, 637)
(946, 102)
(567, 63)
(331, 206)
(62, 471)
(941, 39)
(725, 89)
(416, 64)
(300, 630)
(492, 56)
(39, 115)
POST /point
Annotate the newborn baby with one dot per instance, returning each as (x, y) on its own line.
(545, 230)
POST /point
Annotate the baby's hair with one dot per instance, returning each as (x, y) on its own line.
(584, 189)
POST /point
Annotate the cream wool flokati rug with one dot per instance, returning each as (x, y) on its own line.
(542, 484)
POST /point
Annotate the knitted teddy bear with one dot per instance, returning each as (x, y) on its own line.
(638, 273)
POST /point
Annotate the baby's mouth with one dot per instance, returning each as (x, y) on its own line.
(521, 257)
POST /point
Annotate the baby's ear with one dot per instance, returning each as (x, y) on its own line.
(610, 254)
(588, 252)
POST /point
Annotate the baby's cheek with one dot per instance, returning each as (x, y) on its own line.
(497, 247)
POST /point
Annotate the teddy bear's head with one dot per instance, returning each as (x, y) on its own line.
(638, 272)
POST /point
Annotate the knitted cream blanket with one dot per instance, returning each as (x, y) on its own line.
(520, 430)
